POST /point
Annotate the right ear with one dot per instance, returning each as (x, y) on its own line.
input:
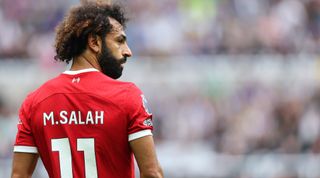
(94, 43)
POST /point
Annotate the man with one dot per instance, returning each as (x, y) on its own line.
(84, 123)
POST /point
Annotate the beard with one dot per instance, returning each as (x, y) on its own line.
(110, 65)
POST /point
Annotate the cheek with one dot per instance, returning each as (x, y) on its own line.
(116, 51)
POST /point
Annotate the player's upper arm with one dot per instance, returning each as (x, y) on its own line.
(145, 154)
(23, 164)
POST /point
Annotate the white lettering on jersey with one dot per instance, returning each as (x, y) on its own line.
(89, 118)
(81, 122)
(48, 118)
(74, 117)
(63, 116)
(99, 118)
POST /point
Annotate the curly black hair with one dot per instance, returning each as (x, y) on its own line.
(82, 21)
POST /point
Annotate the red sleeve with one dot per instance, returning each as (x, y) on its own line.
(139, 116)
(24, 138)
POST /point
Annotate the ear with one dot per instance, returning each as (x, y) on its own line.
(94, 43)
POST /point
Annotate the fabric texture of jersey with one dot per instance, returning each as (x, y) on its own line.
(81, 123)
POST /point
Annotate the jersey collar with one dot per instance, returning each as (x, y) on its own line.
(74, 72)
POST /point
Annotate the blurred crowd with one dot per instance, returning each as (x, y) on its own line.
(174, 27)
(234, 117)
(193, 27)
(250, 119)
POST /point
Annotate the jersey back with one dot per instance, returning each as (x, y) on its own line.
(81, 124)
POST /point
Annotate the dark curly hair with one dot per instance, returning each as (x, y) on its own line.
(82, 21)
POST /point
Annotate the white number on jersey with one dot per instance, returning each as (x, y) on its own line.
(62, 145)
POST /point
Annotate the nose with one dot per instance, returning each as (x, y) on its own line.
(127, 51)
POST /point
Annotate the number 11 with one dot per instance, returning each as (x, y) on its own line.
(62, 145)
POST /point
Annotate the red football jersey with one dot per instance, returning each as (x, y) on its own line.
(81, 123)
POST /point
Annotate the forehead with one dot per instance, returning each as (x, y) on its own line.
(117, 28)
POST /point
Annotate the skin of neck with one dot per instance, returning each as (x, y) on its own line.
(86, 60)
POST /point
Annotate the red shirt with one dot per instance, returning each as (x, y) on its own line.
(81, 123)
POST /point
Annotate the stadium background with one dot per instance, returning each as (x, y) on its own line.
(233, 84)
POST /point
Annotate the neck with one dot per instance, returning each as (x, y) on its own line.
(85, 61)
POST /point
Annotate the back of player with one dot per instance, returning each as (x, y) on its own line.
(81, 123)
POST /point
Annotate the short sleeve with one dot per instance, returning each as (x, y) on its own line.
(139, 115)
(24, 138)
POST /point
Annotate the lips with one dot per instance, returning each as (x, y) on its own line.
(123, 61)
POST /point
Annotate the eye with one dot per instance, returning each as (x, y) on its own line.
(121, 40)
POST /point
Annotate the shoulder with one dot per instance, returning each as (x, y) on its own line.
(135, 98)
(125, 87)
(130, 89)
(39, 92)
(103, 81)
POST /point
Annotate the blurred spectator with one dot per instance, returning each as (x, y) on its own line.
(6, 130)
(178, 27)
